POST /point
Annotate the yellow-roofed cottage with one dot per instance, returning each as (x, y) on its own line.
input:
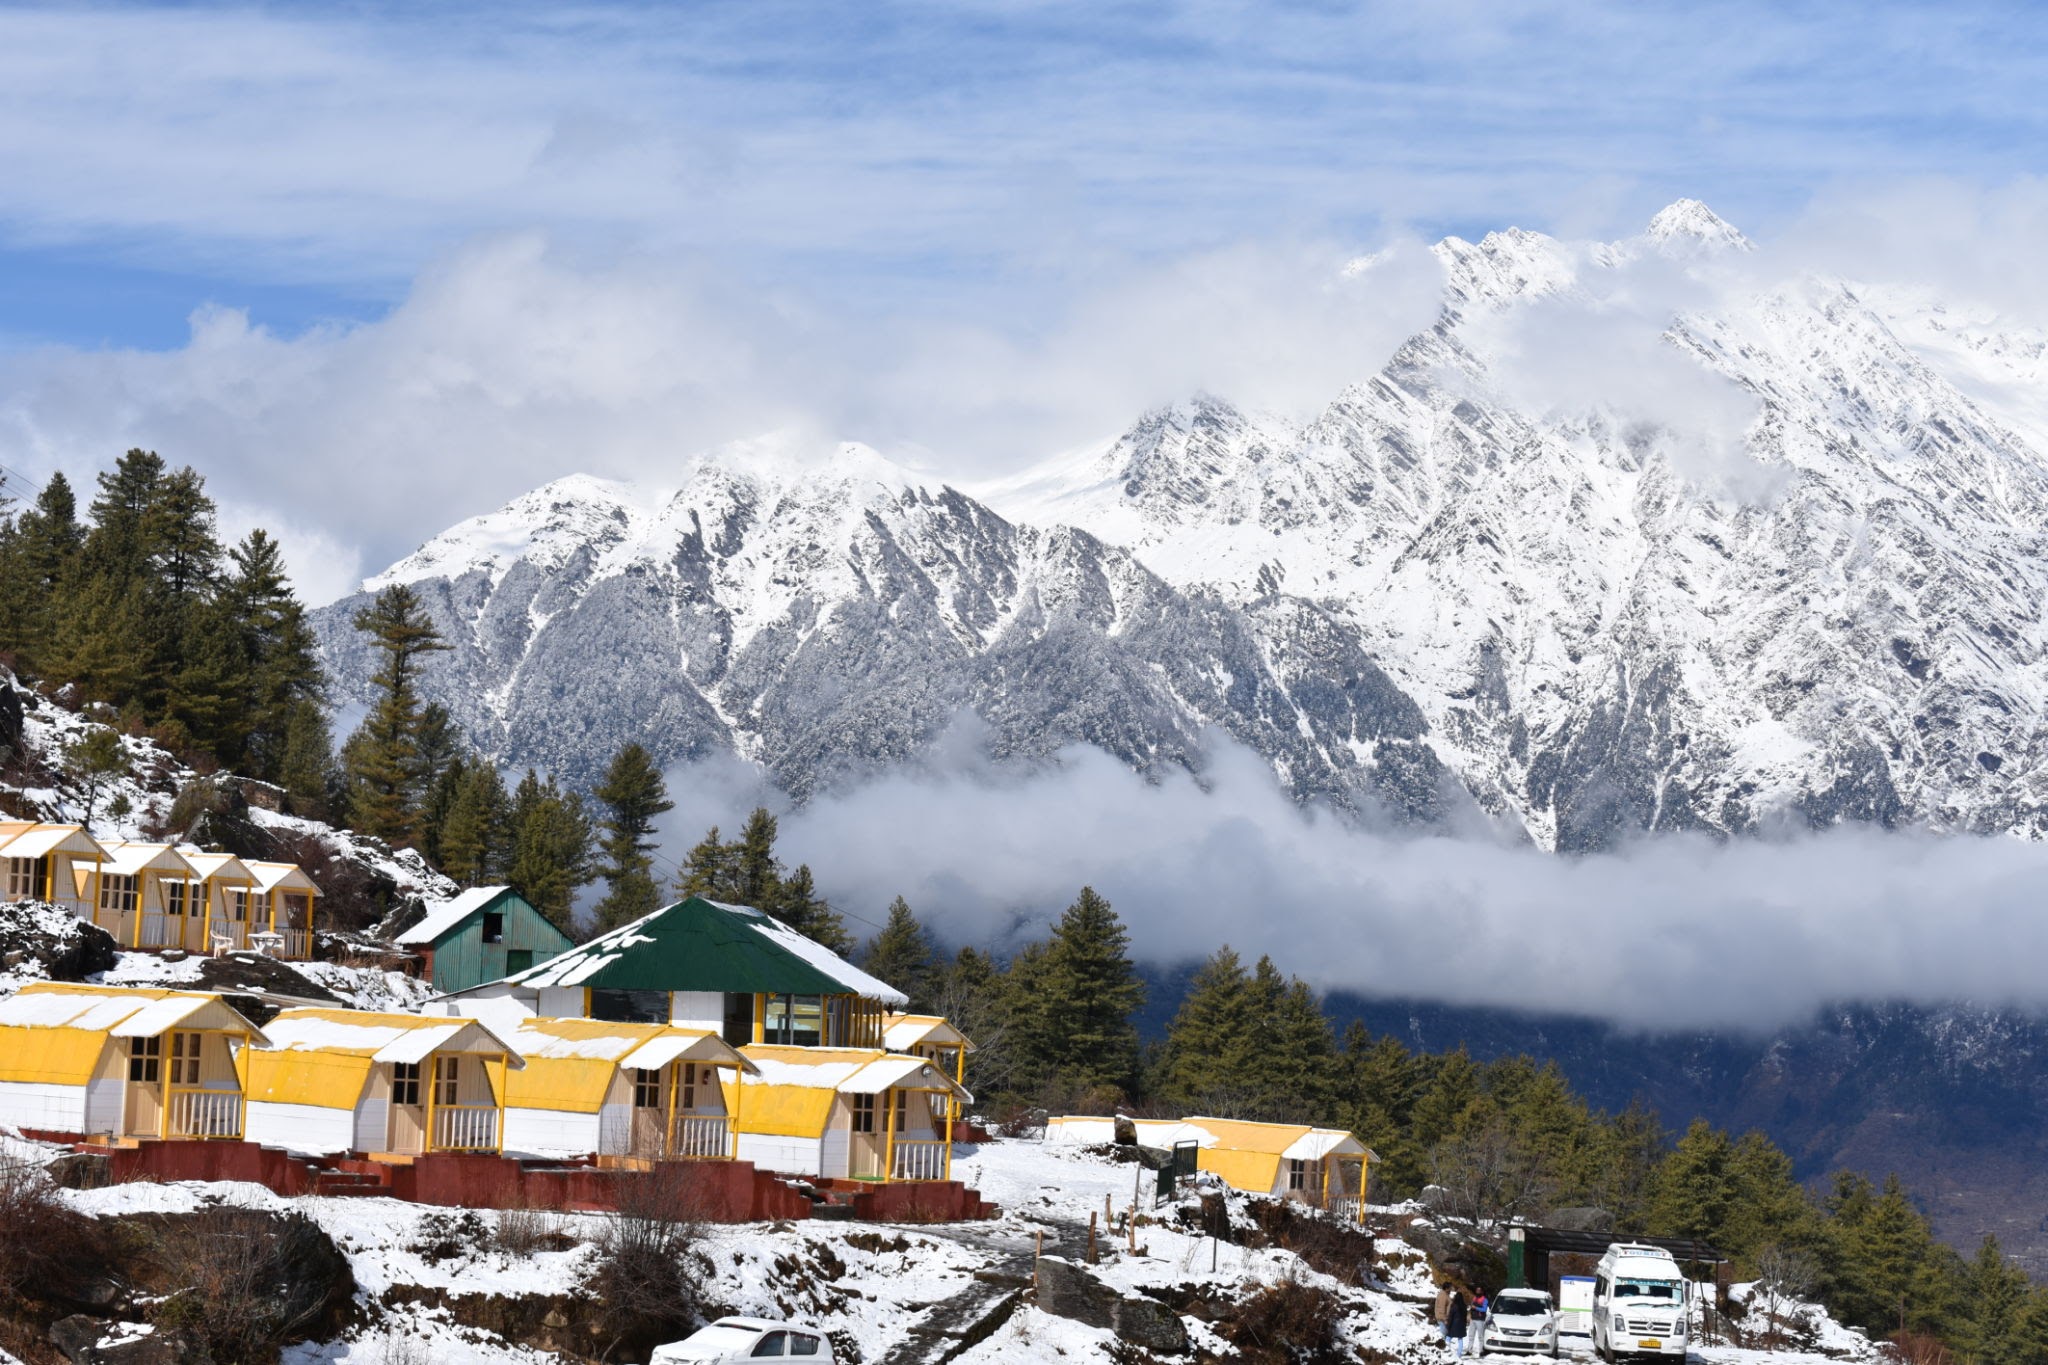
(639, 1093)
(51, 863)
(336, 1080)
(1324, 1167)
(123, 1062)
(844, 1113)
(281, 923)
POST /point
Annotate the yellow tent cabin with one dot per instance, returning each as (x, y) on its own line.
(635, 1092)
(844, 1113)
(51, 863)
(122, 1061)
(1324, 1167)
(337, 1080)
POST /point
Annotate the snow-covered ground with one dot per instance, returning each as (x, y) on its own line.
(869, 1282)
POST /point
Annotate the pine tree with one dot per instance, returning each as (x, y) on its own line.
(901, 955)
(1446, 1097)
(1077, 1029)
(1384, 1083)
(42, 562)
(1888, 1267)
(632, 795)
(1768, 1207)
(1692, 1194)
(1992, 1324)
(306, 768)
(798, 904)
(474, 835)
(756, 877)
(281, 655)
(1205, 1044)
(1298, 1080)
(92, 760)
(550, 848)
(708, 869)
(384, 759)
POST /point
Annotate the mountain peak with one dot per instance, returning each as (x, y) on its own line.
(1690, 225)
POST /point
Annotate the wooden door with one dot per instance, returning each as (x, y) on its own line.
(407, 1129)
(650, 1114)
(143, 1113)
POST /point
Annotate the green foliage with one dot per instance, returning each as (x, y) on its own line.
(1072, 1012)
(746, 871)
(902, 955)
(91, 761)
(550, 854)
(388, 761)
(632, 795)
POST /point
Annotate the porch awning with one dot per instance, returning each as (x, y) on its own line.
(889, 1073)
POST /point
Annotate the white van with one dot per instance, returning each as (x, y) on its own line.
(1639, 1303)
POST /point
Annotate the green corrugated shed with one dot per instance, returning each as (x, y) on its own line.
(465, 950)
(702, 945)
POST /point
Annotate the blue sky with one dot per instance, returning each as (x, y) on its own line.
(305, 162)
(461, 250)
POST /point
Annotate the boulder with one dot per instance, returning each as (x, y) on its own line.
(1067, 1290)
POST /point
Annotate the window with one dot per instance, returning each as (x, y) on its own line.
(446, 1070)
(27, 877)
(863, 1113)
(175, 896)
(145, 1056)
(902, 1109)
(117, 893)
(185, 1058)
(405, 1083)
(795, 1020)
(630, 1007)
(646, 1088)
(689, 1085)
(739, 1018)
(494, 927)
(1297, 1174)
(801, 1345)
(238, 904)
(774, 1344)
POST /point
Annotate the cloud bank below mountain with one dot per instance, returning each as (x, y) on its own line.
(1669, 933)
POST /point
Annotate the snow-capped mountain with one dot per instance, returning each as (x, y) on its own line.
(1637, 536)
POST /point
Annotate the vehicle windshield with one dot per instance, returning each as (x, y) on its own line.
(1521, 1305)
(1663, 1291)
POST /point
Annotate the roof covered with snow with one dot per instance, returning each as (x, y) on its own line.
(445, 917)
(383, 1037)
(703, 945)
(121, 1011)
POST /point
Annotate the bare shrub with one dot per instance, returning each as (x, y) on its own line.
(646, 1274)
(1486, 1175)
(1784, 1277)
(524, 1231)
(401, 1347)
(50, 1249)
(245, 1281)
(1285, 1323)
(1918, 1348)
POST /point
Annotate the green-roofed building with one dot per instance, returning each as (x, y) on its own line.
(702, 964)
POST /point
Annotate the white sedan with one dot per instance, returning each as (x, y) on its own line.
(731, 1340)
(1521, 1320)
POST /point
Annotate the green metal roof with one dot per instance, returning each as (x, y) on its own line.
(702, 945)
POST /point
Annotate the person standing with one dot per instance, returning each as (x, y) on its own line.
(1480, 1306)
(1440, 1311)
(1455, 1322)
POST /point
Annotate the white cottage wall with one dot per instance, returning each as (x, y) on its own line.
(550, 1132)
(788, 1155)
(52, 1108)
(560, 1002)
(308, 1128)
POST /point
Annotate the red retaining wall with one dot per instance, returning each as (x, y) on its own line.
(244, 1161)
(716, 1191)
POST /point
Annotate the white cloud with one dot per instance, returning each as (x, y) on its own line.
(516, 361)
(1671, 933)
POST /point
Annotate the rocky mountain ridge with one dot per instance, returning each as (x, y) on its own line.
(1761, 548)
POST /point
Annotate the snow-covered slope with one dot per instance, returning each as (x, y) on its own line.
(1782, 560)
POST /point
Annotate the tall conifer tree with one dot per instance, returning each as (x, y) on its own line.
(384, 757)
(632, 795)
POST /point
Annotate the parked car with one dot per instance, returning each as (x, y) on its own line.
(737, 1339)
(1641, 1304)
(1521, 1320)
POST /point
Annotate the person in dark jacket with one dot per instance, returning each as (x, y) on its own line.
(1456, 1321)
(1481, 1306)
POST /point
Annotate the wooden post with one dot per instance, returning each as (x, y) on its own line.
(206, 922)
(1037, 1254)
(668, 1135)
(498, 1096)
(889, 1142)
(432, 1081)
(1091, 1237)
(950, 1102)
